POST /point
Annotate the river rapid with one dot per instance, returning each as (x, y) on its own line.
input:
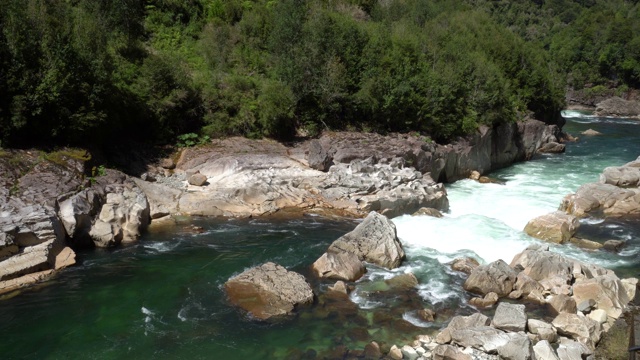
(162, 297)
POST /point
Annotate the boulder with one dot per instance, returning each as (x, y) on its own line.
(613, 245)
(526, 285)
(123, 217)
(579, 328)
(318, 157)
(552, 148)
(428, 212)
(427, 315)
(340, 266)
(585, 306)
(618, 107)
(168, 164)
(495, 277)
(556, 227)
(409, 353)
(372, 351)
(374, 241)
(402, 282)
(449, 352)
(598, 315)
(608, 292)
(488, 300)
(544, 351)
(197, 179)
(602, 199)
(591, 132)
(340, 287)
(545, 331)
(463, 322)
(621, 176)
(573, 350)
(465, 265)
(77, 212)
(395, 353)
(515, 346)
(268, 291)
(542, 265)
(510, 317)
(163, 200)
(562, 303)
(475, 175)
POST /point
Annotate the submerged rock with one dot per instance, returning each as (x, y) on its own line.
(591, 132)
(268, 291)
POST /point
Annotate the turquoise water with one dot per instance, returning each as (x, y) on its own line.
(162, 298)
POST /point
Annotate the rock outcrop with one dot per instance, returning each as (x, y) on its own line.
(556, 227)
(617, 194)
(268, 291)
(374, 241)
(618, 107)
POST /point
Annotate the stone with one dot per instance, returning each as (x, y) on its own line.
(77, 213)
(608, 292)
(339, 286)
(428, 212)
(488, 180)
(604, 198)
(163, 200)
(268, 291)
(65, 258)
(545, 331)
(591, 132)
(598, 315)
(495, 277)
(168, 164)
(372, 351)
(395, 353)
(562, 303)
(527, 285)
(579, 328)
(474, 175)
(465, 264)
(618, 107)
(318, 157)
(543, 265)
(510, 317)
(552, 148)
(573, 350)
(374, 241)
(513, 346)
(426, 315)
(463, 322)
(586, 306)
(488, 300)
(443, 337)
(613, 245)
(449, 352)
(630, 285)
(198, 179)
(402, 282)
(585, 243)
(409, 353)
(556, 227)
(544, 351)
(341, 266)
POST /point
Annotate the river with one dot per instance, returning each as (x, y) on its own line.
(162, 297)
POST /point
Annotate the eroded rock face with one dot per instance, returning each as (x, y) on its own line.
(556, 227)
(268, 291)
(495, 277)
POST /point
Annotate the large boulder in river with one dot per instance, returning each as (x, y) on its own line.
(495, 277)
(556, 227)
(268, 291)
(618, 107)
(374, 241)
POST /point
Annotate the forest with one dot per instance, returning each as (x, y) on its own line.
(99, 72)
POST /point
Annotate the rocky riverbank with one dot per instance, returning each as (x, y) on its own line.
(605, 103)
(52, 203)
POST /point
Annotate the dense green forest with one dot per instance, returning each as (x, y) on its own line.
(98, 72)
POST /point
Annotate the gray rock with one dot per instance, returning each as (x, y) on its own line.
(573, 350)
(591, 132)
(409, 353)
(579, 328)
(374, 241)
(562, 303)
(556, 227)
(340, 266)
(465, 265)
(163, 200)
(618, 107)
(510, 317)
(613, 245)
(544, 351)
(463, 322)
(168, 164)
(544, 330)
(586, 305)
(428, 212)
(449, 352)
(340, 287)
(607, 290)
(318, 157)
(268, 291)
(495, 277)
(197, 179)
(552, 148)
(490, 340)
(402, 282)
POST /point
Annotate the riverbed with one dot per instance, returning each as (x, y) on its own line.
(162, 297)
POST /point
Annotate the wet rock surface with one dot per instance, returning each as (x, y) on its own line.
(268, 291)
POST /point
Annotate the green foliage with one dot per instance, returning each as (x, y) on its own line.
(192, 139)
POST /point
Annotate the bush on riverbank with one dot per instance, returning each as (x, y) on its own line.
(87, 72)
